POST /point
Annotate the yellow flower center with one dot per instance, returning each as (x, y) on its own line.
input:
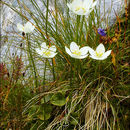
(99, 53)
(79, 8)
(47, 53)
(77, 52)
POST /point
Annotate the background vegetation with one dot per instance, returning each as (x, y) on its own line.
(65, 93)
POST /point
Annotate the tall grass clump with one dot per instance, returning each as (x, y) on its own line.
(59, 80)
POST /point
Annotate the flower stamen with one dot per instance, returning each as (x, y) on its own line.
(99, 53)
(79, 8)
(77, 52)
(47, 53)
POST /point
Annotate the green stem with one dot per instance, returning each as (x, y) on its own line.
(77, 29)
(71, 73)
(97, 71)
(78, 71)
(31, 61)
(81, 29)
(53, 70)
(44, 77)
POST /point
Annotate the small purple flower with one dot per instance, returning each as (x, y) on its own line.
(101, 32)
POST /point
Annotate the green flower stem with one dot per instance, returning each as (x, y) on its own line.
(77, 29)
(44, 80)
(31, 61)
(77, 72)
(97, 71)
(53, 70)
(71, 73)
(44, 77)
(81, 29)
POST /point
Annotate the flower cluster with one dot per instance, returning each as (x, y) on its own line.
(98, 54)
(75, 51)
(79, 7)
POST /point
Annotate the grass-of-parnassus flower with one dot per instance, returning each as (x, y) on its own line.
(27, 28)
(99, 53)
(46, 51)
(76, 52)
(82, 7)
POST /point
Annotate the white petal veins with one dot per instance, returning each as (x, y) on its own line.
(100, 48)
(74, 46)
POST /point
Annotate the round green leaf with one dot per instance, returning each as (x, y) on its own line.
(45, 112)
(44, 116)
(58, 99)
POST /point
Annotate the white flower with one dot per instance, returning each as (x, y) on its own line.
(46, 51)
(100, 53)
(82, 7)
(75, 52)
(27, 28)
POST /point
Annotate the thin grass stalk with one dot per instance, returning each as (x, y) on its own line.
(71, 73)
(47, 19)
(126, 18)
(32, 61)
(68, 23)
(56, 15)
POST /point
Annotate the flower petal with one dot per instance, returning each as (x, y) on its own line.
(84, 50)
(80, 12)
(101, 32)
(20, 27)
(68, 51)
(96, 58)
(87, 4)
(92, 52)
(74, 46)
(39, 51)
(44, 46)
(52, 48)
(28, 27)
(106, 54)
(78, 57)
(74, 4)
(100, 48)
(51, 56)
